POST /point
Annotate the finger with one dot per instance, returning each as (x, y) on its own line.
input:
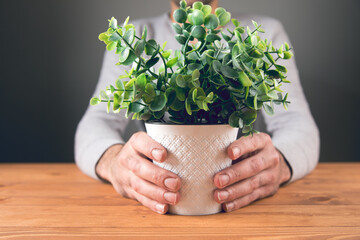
(147, 170)
(153, 192)
(149, 203)
(259, 193)
(147, 146)
(244, 169)
(245, 187)
(247, 145)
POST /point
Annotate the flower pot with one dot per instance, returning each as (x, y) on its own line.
(195, 153)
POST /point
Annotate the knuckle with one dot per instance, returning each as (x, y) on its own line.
(134, 165)
(256, 165)
(254, 183)
(158, 178)
(266, 137)
(135, 186)
(233, 175)
(137, 136)
(254, 196)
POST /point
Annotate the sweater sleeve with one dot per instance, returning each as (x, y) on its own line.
(294, 131)
(98, 130)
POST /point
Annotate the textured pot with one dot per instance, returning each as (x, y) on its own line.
(195, 153)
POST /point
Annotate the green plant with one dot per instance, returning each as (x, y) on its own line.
(225, 77)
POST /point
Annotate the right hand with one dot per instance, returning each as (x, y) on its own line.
(134, 176)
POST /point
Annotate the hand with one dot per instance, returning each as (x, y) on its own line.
(134, 176)
(258, 170)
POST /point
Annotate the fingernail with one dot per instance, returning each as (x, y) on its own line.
(229, 207)
(223, 179)
(235, 151)
(223, 195)
(171, 183)
(160, 208)
(170, 197)
(157, 154)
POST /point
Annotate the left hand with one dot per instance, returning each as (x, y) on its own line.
(258, 171)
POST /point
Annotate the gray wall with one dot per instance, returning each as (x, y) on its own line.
(50, 60)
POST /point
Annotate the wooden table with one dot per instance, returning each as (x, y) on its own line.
(57, 201)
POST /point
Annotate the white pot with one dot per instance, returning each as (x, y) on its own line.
(195, 153)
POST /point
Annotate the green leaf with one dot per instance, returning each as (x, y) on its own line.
(103, 95)
(171, 62)
(188, 107)
(94, 101)
(140, 82)
(150, 47)
(151, 62)
(270, 58)
(159, 103)
(219, 11)
(194, 95)
(268, 109)
(114, 37)
(195, 74)
(130, 59)
(211, 21)
(119, 85)
(149, 88)
(180, 81)
(198, 17)
(180, 15)
(226, 37)
(180, 93)
(124, 54)
(197, 5)
(262, 89)
(177, 28)
(103, 37)
(249, 116)
(216, 66)
(166, 54)
(229, 72)
(198, 32)
(224, 18)
(180, 39)
(170, 94)
(136, 107)
(129, 35)
(113, 23)
(108, 106)
(111, 46)
(144, 34)
(244, 79)
(280, 68)
(288, 55)
(234, 120)
(206, 10)
(212, 37)
(194, 66)
(139, 47)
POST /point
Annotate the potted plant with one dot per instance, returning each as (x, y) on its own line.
(194, 99)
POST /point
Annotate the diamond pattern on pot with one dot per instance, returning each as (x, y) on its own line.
(195, 160)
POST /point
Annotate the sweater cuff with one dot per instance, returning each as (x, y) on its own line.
(295, 162)
(92, 154)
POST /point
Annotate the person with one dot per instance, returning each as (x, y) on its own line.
(115, 149)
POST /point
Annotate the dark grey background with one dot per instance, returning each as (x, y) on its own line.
(51, 58)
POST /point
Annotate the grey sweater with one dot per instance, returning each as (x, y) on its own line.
(293, 131)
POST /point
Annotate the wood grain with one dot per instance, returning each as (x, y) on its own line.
(57, 201)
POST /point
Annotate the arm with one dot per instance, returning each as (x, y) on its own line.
(259, 166)
(98, 130)
(101, 152)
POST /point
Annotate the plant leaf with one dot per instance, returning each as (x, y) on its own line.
(159, 103)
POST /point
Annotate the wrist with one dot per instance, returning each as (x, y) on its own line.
(103, 166)
(285, 169)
